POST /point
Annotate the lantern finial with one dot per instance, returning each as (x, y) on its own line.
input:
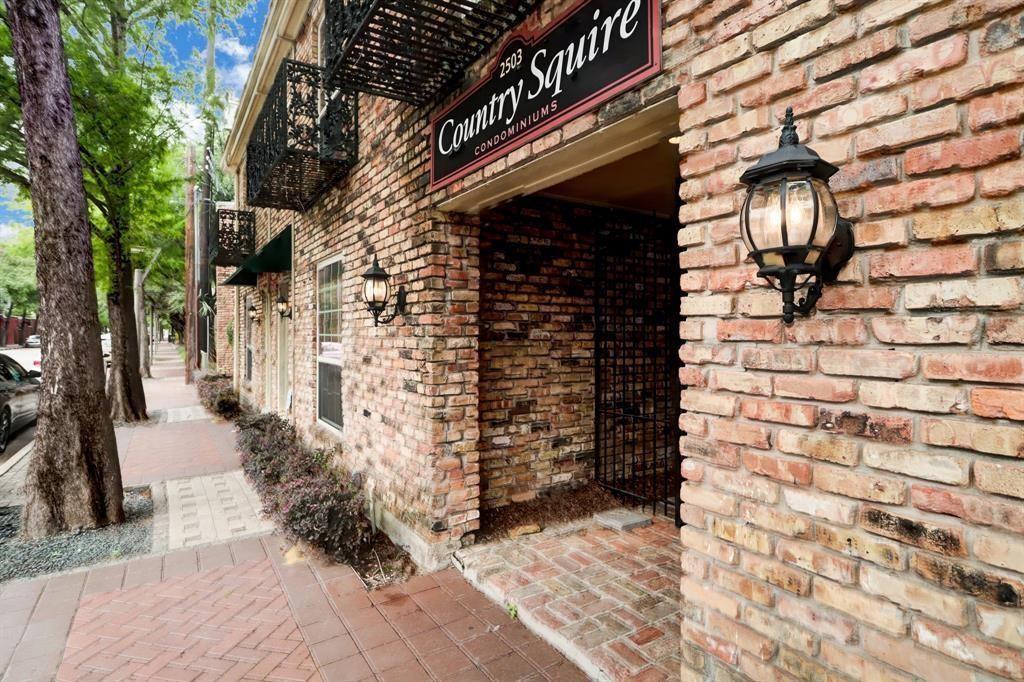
(789, 135)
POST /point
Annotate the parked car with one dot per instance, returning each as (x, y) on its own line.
(33, 341)
(19, 398)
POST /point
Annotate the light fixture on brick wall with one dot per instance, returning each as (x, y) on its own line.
(377, 293)
(284, 306)
(254, 314)
(790, 223)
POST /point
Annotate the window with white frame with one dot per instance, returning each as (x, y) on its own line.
(329, 355)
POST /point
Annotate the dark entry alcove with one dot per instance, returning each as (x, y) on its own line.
(578, 352)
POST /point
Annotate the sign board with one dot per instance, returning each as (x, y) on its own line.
(596, 50)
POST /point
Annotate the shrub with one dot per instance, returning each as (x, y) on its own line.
(326, 512)
(218, 395)
(309, 500)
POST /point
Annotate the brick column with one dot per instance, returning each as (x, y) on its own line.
(854, 481)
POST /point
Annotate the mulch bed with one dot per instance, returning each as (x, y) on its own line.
(27, 558)
(383, 563)
(549, 509)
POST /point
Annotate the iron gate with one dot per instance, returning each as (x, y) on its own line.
(637, 351)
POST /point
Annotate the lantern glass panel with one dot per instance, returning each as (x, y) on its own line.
(799, 215)
(828, 214)
(376, 292)
(763, 222)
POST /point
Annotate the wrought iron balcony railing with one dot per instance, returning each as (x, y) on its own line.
(233, 238)
(304, 140)
(411, 50)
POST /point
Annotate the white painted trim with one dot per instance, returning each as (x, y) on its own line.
(330, 428)
(281, 28)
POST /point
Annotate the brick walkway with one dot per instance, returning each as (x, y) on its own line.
(609, 600)
(240, 611)
(180, 441)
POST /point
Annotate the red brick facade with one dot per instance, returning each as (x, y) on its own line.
(853, 494)
(536, 350)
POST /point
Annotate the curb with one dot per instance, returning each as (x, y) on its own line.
(17, 457)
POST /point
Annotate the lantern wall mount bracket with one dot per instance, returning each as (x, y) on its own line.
(377, 292)
(379, 318)
(839, 252)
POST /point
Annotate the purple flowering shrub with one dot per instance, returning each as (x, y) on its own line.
(309, 499)
(217, 394)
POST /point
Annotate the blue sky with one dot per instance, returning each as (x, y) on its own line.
(234, 56)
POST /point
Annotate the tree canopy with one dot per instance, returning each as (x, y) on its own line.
(18, 292)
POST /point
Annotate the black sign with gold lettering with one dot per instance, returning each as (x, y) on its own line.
(596, 50)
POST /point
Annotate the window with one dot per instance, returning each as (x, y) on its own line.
(15, 371)
(329, 353)
(248, 336)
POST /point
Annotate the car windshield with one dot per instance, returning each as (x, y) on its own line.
(16, 372)
(9, 370)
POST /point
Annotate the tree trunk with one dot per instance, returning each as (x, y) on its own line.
(124, 381)
(21, 329)
(74, 478)
(6, 325)
(141, 332)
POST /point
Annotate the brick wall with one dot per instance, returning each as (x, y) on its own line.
(225, 321)
(536, 349)
(855, 486)
(410, 388)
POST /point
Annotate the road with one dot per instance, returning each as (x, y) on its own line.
(29, 359)
(26, 357)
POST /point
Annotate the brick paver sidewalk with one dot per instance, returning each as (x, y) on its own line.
(609, 599)
(239, 611)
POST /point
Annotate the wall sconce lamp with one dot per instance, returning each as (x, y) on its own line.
(284, 306)
(254, 314)
(377, 292)
(790, 223)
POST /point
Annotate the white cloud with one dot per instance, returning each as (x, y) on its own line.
(232, 47)
(232, 78)
(189, 119)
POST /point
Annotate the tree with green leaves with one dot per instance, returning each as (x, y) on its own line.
(123, 95)
(18, 290)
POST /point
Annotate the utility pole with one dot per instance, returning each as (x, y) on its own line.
(207, 323)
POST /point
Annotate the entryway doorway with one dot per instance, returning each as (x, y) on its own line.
(579, 339)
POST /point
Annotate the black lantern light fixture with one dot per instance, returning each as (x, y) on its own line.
(253, 313)
(790, 223)
(377, 293)
(284, 306)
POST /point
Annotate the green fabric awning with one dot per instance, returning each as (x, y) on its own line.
(240, 278)
(275, 256)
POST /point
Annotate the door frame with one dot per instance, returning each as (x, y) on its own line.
(284, 365)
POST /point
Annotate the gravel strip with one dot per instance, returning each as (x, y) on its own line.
(28, 558)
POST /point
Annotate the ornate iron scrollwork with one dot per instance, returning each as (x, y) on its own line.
(302, 142)
(234, 237)
(411, 50)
